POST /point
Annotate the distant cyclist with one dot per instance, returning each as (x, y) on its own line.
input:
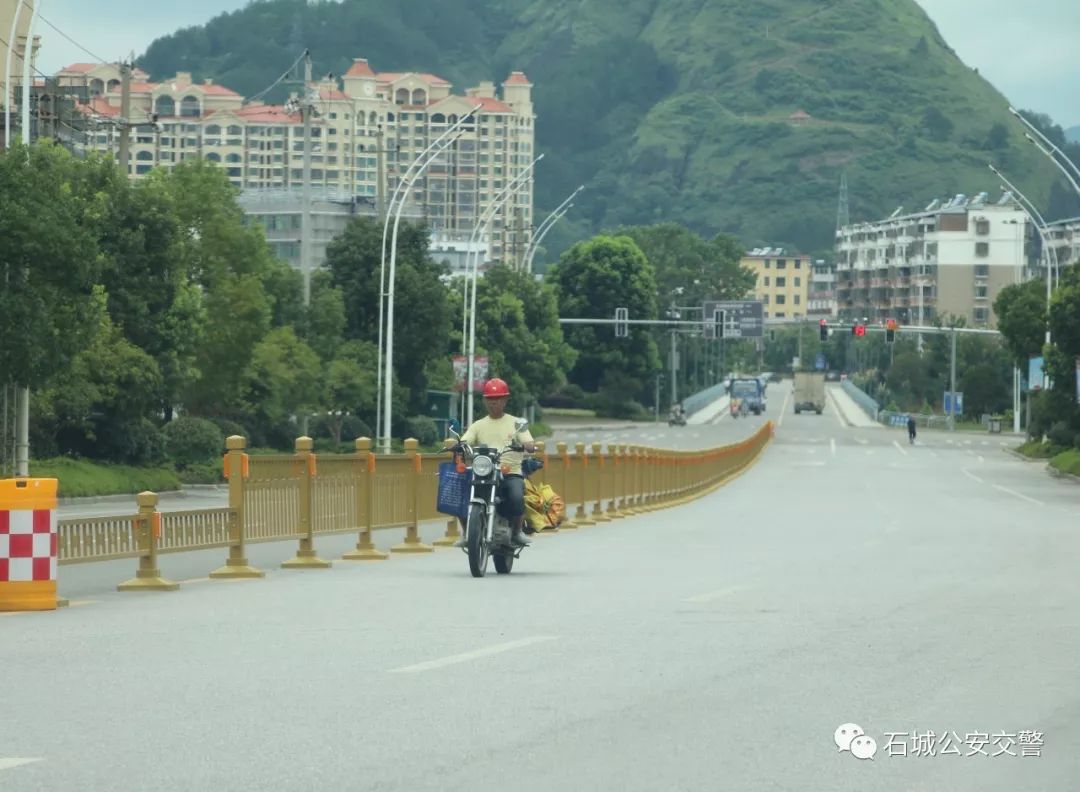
(911, 429)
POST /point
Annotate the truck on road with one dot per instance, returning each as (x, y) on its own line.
(747, 391)
(809, 391)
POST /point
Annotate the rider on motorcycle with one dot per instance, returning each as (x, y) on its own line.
(497, 431)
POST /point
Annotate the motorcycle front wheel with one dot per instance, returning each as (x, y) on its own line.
(478, 551)
(504, 562)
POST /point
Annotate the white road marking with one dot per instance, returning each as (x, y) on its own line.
(934, 454)
(899, 447)
(196, 580)
(465, 657)
(981, 460)
(783, 410)
(1018, 494)
(715, 595)
(16, 761)
(971, 475)
(870, 452)
(862, 440)
(832, 445)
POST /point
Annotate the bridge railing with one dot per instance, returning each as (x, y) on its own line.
(304, 495)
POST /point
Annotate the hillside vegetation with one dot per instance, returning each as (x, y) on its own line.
(677, 109)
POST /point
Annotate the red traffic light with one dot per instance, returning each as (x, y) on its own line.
(891, 324)
(858, 330)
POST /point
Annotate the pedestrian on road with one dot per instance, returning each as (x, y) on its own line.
(911, 429)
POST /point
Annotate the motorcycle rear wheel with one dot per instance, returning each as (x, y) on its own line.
(478, 551)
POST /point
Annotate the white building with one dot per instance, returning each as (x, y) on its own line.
(951, 259)
(821, 302)
(1064, 236)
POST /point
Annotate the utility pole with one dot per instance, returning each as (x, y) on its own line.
(952, 382)
(674, 368)
(380, 173)
(125, 120)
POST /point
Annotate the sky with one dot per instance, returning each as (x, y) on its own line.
(1026, 49)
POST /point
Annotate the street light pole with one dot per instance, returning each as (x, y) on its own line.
(485, 220)
(22, 395)
(1049, 150)
(388, 374)
(1048, 251)
(545, 226)
(394, 203)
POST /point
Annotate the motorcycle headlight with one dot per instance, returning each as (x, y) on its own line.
(482, 466)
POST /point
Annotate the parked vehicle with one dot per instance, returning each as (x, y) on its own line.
(809, 393)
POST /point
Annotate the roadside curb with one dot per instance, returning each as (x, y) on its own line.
(130, 496)
(1013, 453)
(1053, 471)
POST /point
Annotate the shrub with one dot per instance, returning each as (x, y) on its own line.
(193, 441)
(423, 429)
(229, 427)
(568, 395)
(204, 473)
(138, 442)
(81, 478)
(1061, 435)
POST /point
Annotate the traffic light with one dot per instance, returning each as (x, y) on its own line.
(890, 331)
(718, 323)
(622, 329)
(823, 329)
(858, 330)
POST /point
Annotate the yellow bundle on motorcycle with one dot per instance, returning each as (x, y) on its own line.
(544, 509)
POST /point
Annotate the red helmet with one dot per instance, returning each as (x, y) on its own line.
(495, 389)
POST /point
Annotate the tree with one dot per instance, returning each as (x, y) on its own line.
(1021, 315)
(422, 316)
(695, 268)
(323, 324)
(997, 138)
(49, 261)
(518, 326)
(985, 389)
(936, 125)
(592, 279)
(283, 379)
(349, 384)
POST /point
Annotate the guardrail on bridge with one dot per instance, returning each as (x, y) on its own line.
(303, 495)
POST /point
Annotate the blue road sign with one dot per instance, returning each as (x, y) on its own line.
(959, 403)
(819, 362)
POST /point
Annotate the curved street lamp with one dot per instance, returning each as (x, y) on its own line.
(409, 178)
(1049, 145)
(545, 226)
(1040, 226)
(485, 220)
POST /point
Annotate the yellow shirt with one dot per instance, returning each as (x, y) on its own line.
(497, 434)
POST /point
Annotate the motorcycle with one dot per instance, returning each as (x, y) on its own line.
(487, 533)
(676, 419)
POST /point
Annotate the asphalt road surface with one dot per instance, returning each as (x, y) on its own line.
(846, 578)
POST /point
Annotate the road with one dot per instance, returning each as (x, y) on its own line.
(847, 578)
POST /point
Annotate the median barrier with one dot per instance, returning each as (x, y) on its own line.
(304, 495)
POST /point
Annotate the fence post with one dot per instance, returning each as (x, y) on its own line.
(365, 504)
(615, 476)
(568, 523)
(236, 471)
(412, 543)
(449, 539)
(582, 514)
(599, 475)
(630, 483)
(147, 529)
(305, 557)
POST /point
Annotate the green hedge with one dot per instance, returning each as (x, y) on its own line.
(79, 478)
(1067, 462)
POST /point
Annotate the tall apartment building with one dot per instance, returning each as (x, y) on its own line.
(821, 302)
(1064, 238)
(783, 281)
(368, 129)
(950, 259)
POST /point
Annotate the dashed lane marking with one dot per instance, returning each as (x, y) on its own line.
(783, 410)
(832, 445)
(862, 440)
(715, 595)
(899, 447)
(476, 654)
(1018, 494)
(971, 475)
(8, 763)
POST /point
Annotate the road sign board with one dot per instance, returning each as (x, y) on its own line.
(742, 318)
(819, 362)
(959, 403)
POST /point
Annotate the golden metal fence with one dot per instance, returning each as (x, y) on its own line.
(297, 496)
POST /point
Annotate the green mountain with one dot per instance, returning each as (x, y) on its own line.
(676, 109)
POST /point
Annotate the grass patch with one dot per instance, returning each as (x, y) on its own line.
(1039, 449)
(1067, 462)
(79, 478)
